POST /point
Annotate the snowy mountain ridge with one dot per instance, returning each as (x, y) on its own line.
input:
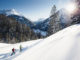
(14, 14)
(9, 12)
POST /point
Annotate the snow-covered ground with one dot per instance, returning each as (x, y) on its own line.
(6, 49)
(64, 45)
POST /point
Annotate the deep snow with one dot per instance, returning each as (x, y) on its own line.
(64, 45)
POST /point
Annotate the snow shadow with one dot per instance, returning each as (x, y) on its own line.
(2, 56)
(6, 55)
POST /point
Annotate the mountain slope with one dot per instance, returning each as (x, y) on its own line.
(64, 45)
(22, 20)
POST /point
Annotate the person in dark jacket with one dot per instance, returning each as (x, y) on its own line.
(13, 51)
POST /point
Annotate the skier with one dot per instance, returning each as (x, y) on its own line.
(20, 48)
(13, 51)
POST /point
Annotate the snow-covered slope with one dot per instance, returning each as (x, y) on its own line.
(64, 45)
(6, 49)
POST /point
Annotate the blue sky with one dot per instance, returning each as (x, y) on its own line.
(33, 9)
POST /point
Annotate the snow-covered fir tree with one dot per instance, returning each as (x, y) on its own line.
(55, 23)
(53, 11)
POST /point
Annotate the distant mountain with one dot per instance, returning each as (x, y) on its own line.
(14, 25)
(16, 28)
(12, 31)
(42, 25)
(60, 20)
(9, 12)
(14, 14)
(22, 20)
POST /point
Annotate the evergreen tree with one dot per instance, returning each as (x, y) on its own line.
(55, 23)
(53, 11)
